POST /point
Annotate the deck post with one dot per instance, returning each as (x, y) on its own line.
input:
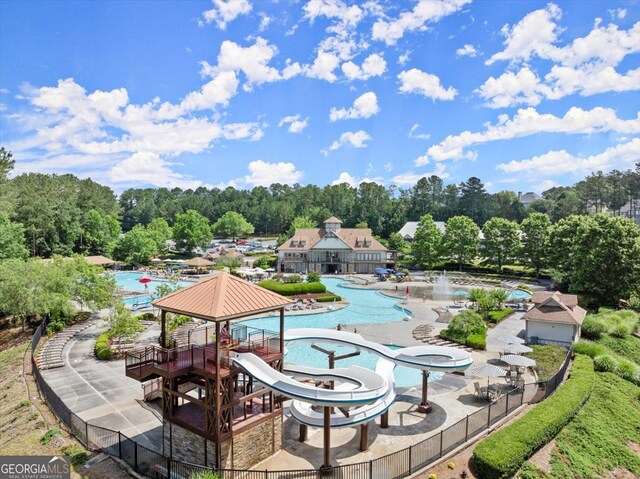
(217, 400)
(364, 437)
(326, 465)
(163, 334)
(304, 433)
(384, 420)
(281, 338)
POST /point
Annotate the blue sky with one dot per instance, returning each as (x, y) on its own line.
(523, 94)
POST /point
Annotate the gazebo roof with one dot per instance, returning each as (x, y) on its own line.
(198, 262)
(99, 260)
(220, 298)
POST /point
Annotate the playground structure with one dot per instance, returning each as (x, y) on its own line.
(241, 379)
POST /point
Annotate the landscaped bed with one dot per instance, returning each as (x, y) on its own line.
(548, 359)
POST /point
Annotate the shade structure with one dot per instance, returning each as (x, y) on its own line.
(270, 270)
(517, 349)
(145, 280)
(156, 260)
(486, 369)
(99, 260)
(517, 360)
(509, 339)
(258, 270)
(198, 262)
(399, 273)
(461, 293)
(380, 271)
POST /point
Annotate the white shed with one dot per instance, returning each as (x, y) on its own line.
(555, 318)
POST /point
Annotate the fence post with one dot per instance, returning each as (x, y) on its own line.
(169, 468)
(370, 468)
(466, 430)
(410, 453)
(119, 445)
(441, 443)
(266, 474)
(506, 409)
(86, 432)
(489, 417)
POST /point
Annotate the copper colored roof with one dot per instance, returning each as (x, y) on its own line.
(99, 260)
(552, 308)
(221, 297)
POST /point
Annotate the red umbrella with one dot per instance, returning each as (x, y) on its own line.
(145, 280)
(407, 290)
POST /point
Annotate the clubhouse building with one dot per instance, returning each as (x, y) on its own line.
(333, 249)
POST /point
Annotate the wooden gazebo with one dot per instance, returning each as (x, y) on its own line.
(228, 402)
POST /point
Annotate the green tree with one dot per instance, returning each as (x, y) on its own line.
(300, 222)
(501, 241)
(426, 247)
(168, 287)
(6, 190)
(461, 239)
(313, 277)
(562, 256)
(233, 225)
(136, 246)
(122, 325)
(474, 200)
(396, 242)
(160, 231)
(191, 230)
(11, 239)
(535, 231)
(99, 233)
(89, 286)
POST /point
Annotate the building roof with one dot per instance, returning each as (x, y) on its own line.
(99, 260)
(220, 298)
(410, 227)
(555, 308)
(333, 219)
(528, 197)
(358, 239)
(198, 262)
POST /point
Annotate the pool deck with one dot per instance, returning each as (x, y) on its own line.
(99, 392)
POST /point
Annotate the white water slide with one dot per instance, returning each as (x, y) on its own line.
(365, 394)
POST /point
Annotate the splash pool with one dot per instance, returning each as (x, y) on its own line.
(365, 306)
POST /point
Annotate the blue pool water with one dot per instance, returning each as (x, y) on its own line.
(130, 281)
(519, 294)
(365, 306)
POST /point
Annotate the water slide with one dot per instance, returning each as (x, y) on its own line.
(365, 393)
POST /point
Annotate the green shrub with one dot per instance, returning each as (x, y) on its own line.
(313, 277)
(294, 278)
(464, 324)
(477, 341)
(589, 348)
(177, 320)
(206, 475)
(146, 317)
(294, 288)
(501, 454)
(77, 454)
(621, 330)
(40, 423)
(605, 363)
(628, 370)
(496, 316)
(526, 287)
(23, 403)
(329, 298)
(33, 416)
(50, 434)
(593, 328)
(102, 349)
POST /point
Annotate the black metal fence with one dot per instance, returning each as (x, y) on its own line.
(392, 466)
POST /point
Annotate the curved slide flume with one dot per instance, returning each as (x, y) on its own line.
(365, 393)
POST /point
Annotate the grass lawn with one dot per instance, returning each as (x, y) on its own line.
(548, 359)
(628, 347)
(598, 442)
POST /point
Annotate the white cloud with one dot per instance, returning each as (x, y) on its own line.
(356, 139)
(374, 65)
(425, 11)
(544, 185)
(333, 9)
(323, 67)
(296, 125)
(225, 11)
(365, 106)
(149, 169)
(560, 162)
(410, 179)
(404, 58)
(265, 21)
(345, 177)
(218, 91)
(467, 51)
(511, 89)
(619, 13)
(426, 84)
(388, 167)
(241, 131)
(535, 33)
(418, 136)
(527, 122)
(262, 173)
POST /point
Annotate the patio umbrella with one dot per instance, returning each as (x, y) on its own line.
(145, 280)
(380, 271)
(399, 273)
(156, 260)
(517, 349)
(516, 360)
(461, 293)
(270, 270)
(486, 369)
(509, 339)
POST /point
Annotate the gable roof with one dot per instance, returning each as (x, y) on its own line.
(220, 298)
(305, 238)
(555, 308)
(333, 219)
(410, 227)
(99, 260)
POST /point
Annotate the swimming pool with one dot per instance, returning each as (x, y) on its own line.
(365, 306)
(519, 294)
(130, 281)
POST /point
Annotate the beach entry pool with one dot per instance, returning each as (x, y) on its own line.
(130, 281)
(365, 306)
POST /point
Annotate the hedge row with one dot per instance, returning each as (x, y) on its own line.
(291, 289)
(498, 315)
(102, 349)
(329, 298)
(502, 453)
(477, 341)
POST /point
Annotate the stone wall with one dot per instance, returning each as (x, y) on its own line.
(245, 450)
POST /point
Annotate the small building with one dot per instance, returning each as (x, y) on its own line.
(333, 249)
(528, 198)
(555, 319)
(408, 231)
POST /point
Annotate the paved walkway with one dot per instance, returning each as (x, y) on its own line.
(100, 393)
